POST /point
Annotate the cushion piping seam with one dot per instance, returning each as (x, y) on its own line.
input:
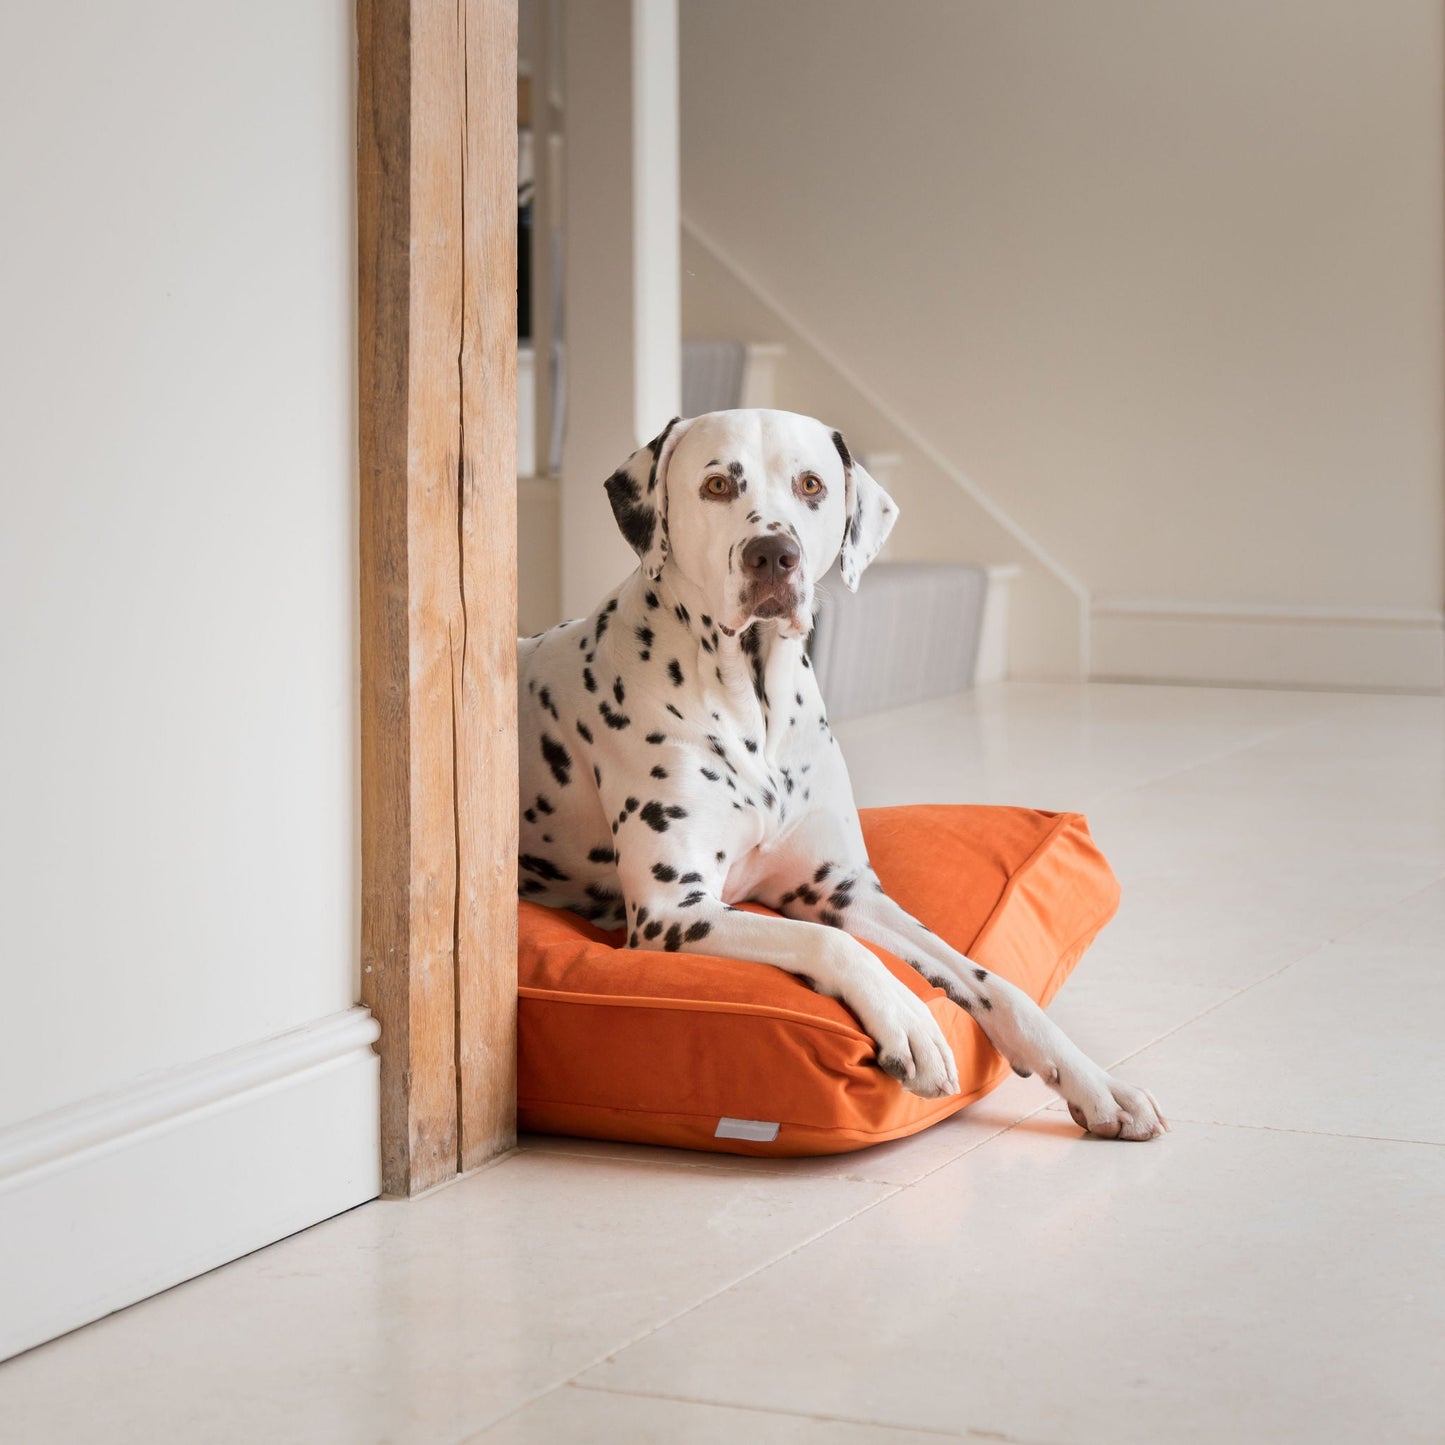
(947, 1107)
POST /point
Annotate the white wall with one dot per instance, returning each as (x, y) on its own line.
(938, 520)
(178, 714)
(621, 309)
(1161, 277)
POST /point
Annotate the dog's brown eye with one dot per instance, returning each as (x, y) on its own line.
(809, 485)
(717, 486)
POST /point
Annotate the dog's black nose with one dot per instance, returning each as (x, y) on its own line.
(771, 558)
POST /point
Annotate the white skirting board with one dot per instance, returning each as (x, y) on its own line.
(1271, 647)
(113, 1199)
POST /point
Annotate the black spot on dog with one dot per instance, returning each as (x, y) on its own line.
(690, 878)
(588, 681)
(557, 758)
(711, 776)
(673, 941)
(700, 929)
(663, 873)
(657, 815)
(642, 915)
(673, 711)
(605, 900)
(822, 872)
(618, 691)
(980, 974)
(615, 720)
(542, 867)
(674, 671)
(750, 744)
(632, 939)
(806, 662)
(631, 805)
(652, 929)
(659, 772)
(893, 1067)
(531, 885)
(683, 615)
(655, 738)
(719, 855)
(650, 598)
(602, 855)
(695, 897)
(583, 731)
(530, 815)
(545, 698)
(543, 806)
(643, 635)
(833, 920)
(597, 774)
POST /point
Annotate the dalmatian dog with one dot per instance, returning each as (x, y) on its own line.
(677, 760)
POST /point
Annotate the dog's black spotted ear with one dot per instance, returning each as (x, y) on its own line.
(638, 493)
(869, 515)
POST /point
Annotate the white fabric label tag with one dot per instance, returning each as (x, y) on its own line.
(761, 1131)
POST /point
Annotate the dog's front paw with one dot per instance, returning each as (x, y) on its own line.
(1112, 1109)
(912, 1048)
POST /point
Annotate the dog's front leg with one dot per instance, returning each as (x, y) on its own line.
(911, 1046)
(1013, 1023)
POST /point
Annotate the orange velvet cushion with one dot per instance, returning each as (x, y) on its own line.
(660, 1048)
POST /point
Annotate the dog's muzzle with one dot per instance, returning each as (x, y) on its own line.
(772, 566)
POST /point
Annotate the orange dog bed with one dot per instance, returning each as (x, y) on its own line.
(721, 1054)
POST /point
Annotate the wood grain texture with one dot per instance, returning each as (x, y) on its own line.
(438, 576)
(485, 667)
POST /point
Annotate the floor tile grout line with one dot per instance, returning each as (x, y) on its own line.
(648, 1331)
(1305, 957)
(1314, 1133)
(892, 1191)
(752, 1408)
(966, 1433)
(1220, 1003)
(707, 1167)
(1268, 735)
(1379, 913)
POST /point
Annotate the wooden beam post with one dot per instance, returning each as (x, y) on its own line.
(436, 191)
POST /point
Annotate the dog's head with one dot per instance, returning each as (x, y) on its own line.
(751, 508)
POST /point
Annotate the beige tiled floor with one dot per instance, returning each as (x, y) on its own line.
(1271, 1271)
